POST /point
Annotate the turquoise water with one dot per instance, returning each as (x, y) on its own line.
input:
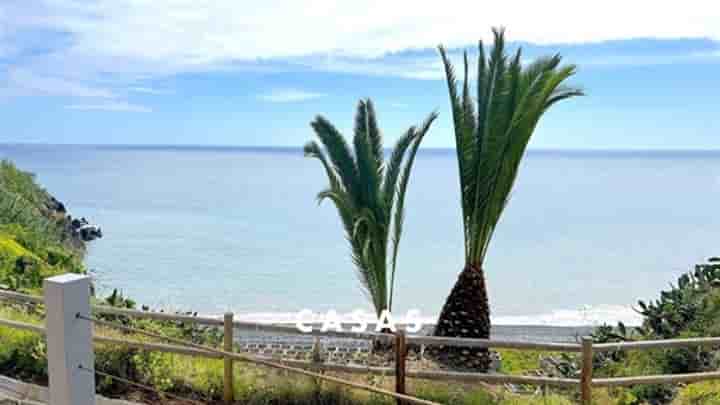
(213, 229)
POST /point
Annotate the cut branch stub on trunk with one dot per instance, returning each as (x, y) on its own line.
(466, 314)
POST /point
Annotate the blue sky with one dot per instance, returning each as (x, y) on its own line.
(226, 73)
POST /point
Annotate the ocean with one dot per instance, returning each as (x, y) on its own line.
(215, 229)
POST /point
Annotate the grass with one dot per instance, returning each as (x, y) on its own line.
(22, 352)
(518, 362)
(21, 183)
(34, 241)
(23, 266)
(22, 355)
(10, 248)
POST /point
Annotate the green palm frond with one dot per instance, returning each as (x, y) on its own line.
(394, 166)
(312, 149)
(368, 193)
(344, 206)
(400, 210)
(340, 155)
(374, 135)
(463, 141)
(511, 99)
(369, 163)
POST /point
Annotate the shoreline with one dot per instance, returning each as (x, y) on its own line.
(587, 316)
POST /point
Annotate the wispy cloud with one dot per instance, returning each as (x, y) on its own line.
(115, 106)
(150, 90)
(82, 43)
(289, 96)
(27, 82)
(227, 30)
(423, 65)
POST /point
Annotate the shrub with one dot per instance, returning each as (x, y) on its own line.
(22, 353)
(707, 392)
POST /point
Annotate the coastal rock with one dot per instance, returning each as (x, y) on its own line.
(56, 205)
(83, 230)
(89, 233)
(76, 231)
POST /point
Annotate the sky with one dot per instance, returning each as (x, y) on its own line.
(255, 73)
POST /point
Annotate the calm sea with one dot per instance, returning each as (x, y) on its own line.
(214, 229)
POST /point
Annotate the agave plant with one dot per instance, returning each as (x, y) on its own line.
(492, 130)
(369, 194)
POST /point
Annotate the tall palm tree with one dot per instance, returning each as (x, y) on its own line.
(369, 194)
(491, 134)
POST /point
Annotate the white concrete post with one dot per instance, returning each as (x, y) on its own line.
(69, 340)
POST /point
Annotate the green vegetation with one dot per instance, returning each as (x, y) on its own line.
(21, 352)
(519, 362)
(691, 308)
(368, 193)
(25, 204)
(491, 135)
(34, 241)
(22, 355)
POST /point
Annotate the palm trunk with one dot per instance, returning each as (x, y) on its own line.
(466, 314)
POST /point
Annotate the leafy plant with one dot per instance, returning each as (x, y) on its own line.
(691, 305)
(492, 130)
(369, 193)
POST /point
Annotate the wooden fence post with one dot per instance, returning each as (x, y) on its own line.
(69, 340)
(587, 369)
(228, 390)
(400, 363)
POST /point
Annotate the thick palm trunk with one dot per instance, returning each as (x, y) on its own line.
(466, 313)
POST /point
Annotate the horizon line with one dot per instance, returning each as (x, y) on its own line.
(299, 147)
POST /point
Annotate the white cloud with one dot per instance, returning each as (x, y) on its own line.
(130, 40)
(185, 33)
(118, 106)
(288, 96)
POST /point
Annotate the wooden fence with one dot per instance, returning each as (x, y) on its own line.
(586, 349)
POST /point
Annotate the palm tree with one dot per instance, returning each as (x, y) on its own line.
(369, 194)
(491, 134)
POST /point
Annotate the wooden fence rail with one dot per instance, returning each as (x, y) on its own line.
(206, 321)
(380, 371)
(263, 327)
(493, 344)
(587, 349)
(657, 344)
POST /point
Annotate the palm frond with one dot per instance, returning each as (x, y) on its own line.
(312, 149)
(402, 188)
(368, 165)
(375, 136)
(394, 165)
(365, 193)
(511, 99)
(463, 142)
(344, 207)
(340, 155)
